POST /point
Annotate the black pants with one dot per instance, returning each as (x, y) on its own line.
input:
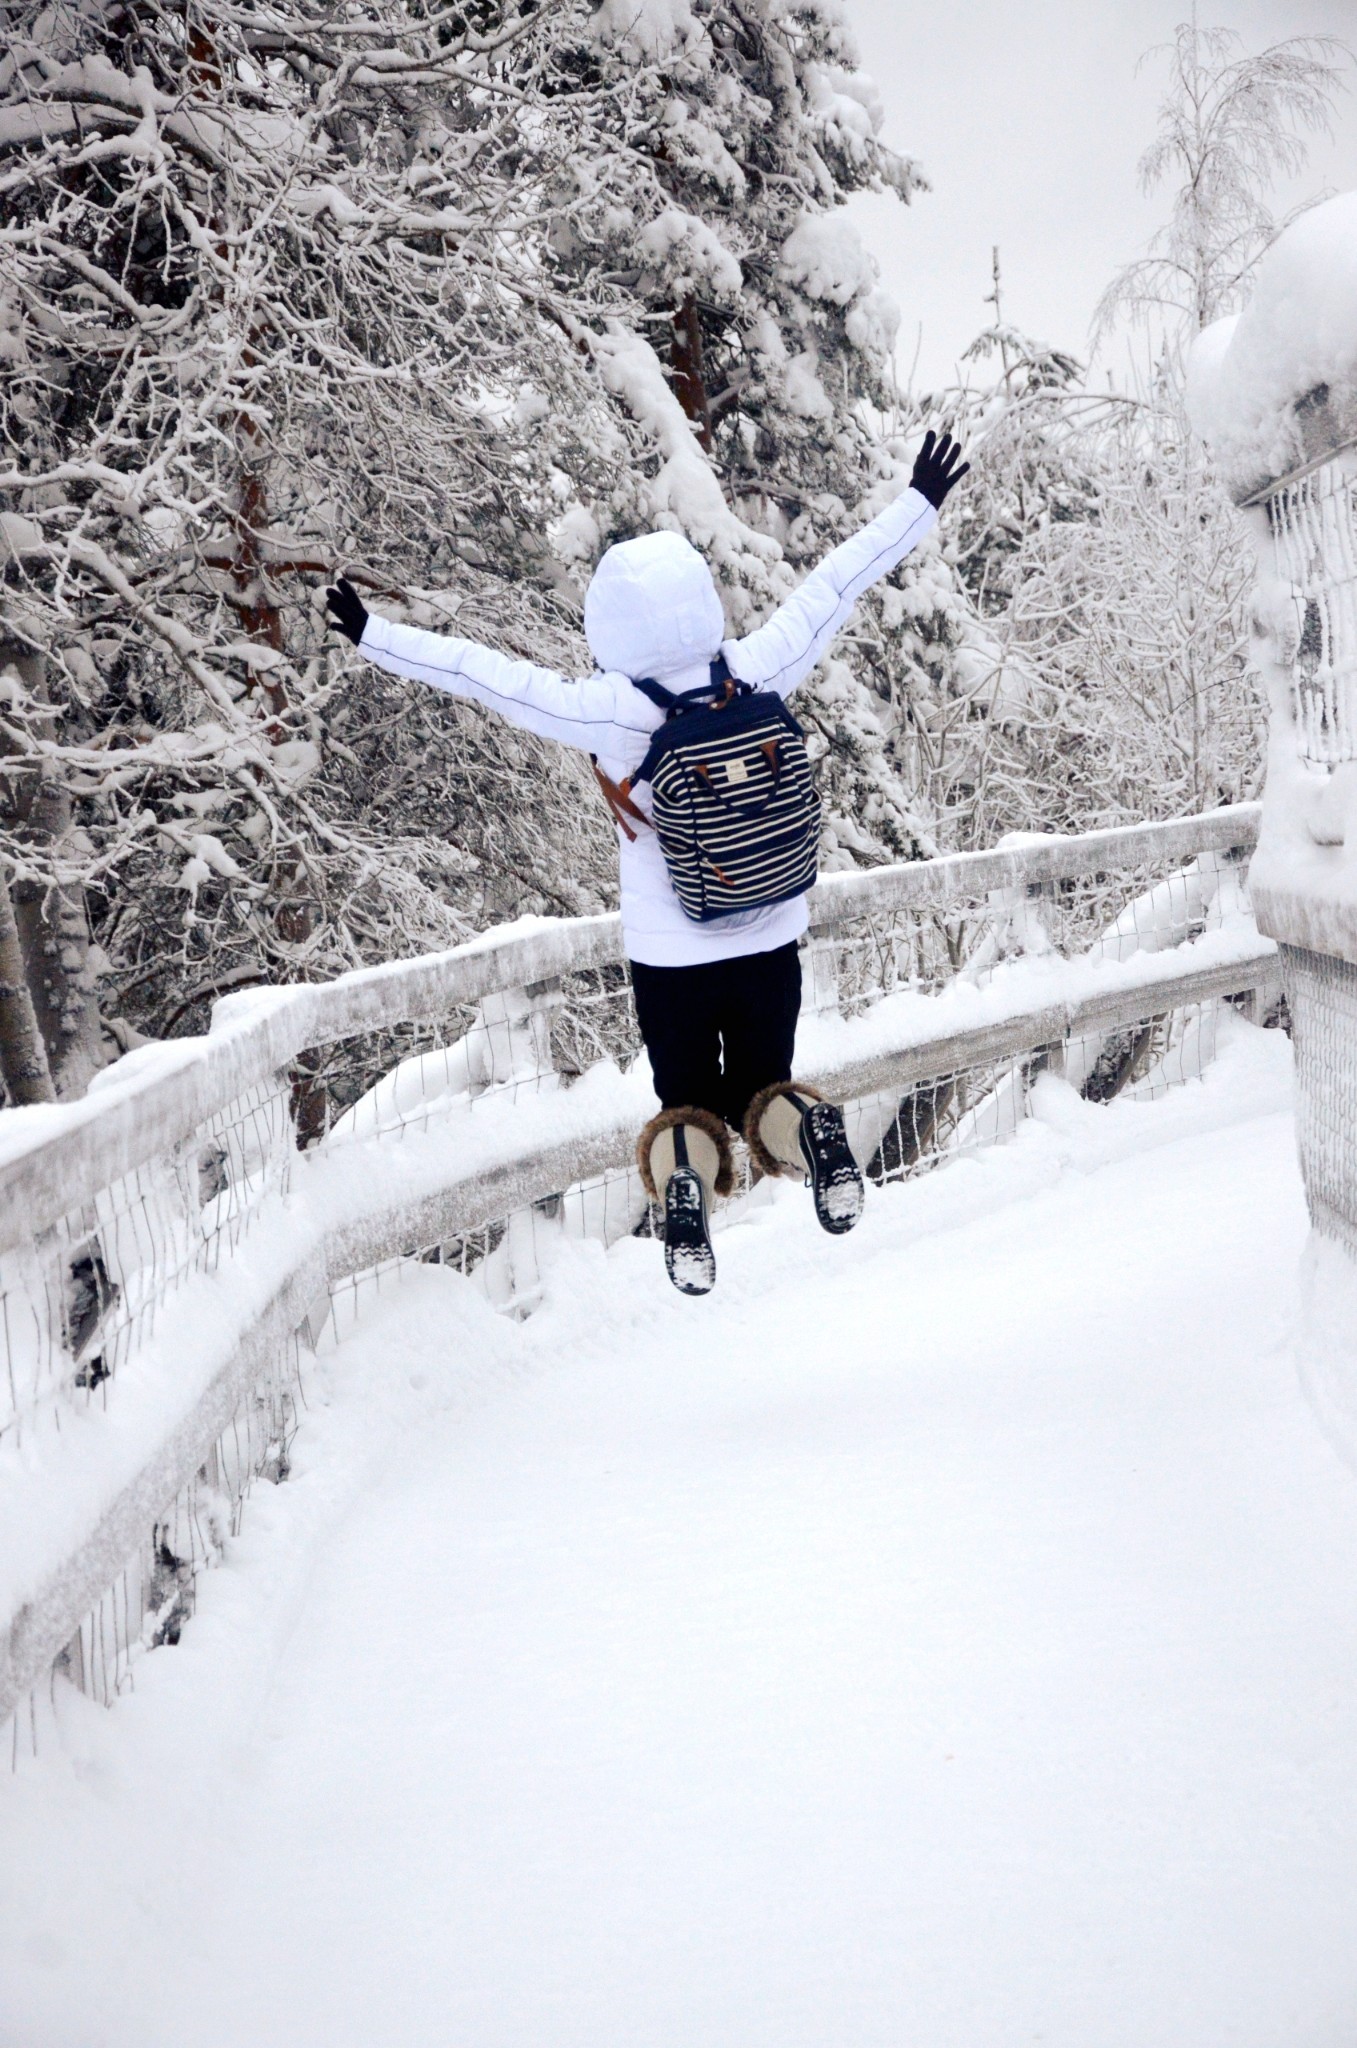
(719, 1032)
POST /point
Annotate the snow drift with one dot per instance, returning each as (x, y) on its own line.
(1274, 388)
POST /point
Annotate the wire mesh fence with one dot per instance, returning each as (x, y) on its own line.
(152, 1596)
(1307, 904)
(81, 1294)
(1108, 913)
(1324, 992)
(84, 1292)
(1314, 527)
(546, 1036)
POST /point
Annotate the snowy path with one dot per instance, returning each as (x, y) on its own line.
(946, 1637)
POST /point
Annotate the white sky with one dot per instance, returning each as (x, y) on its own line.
(1028, 118)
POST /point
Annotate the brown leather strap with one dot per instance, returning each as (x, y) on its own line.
(618, 799)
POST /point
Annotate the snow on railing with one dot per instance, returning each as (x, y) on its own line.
(1273, 391)
(169, 1256)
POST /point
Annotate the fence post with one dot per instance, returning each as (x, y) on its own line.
(822, 953)
(520, 1053)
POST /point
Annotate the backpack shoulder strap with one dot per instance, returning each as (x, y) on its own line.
(648, 766)
(662, 699)
(617, 796)
(720, 686)
(720, 690)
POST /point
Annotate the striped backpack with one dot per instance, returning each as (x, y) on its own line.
(735, 805)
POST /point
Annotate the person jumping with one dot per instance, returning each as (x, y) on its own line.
(707, 777)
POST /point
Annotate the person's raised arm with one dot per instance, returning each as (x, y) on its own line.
(579, 714)
(782, 653)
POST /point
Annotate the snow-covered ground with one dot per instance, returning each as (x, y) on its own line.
(944, 1636)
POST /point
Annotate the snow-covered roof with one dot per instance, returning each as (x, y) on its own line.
(1273, 389)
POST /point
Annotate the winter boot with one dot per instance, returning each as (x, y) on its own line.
(790, 1128)
(684, 1157)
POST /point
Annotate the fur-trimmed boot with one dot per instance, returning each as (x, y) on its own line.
(684, 1157)
(790, 1128)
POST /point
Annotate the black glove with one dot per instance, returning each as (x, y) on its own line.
(936, 467)
(348, 612)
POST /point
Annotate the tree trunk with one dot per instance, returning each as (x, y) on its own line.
(23, 1056)
(51, 923)
(254, 600)
(690, 384)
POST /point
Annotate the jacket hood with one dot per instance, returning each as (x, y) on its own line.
(652, 608)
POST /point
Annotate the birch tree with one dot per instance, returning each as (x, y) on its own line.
(1231, 123)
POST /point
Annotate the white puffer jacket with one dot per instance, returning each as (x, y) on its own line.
(652, 610)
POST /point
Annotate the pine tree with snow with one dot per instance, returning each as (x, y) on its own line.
(717, 147)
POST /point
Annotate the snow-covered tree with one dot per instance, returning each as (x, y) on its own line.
(448, 300)
(1133, 621)
(719, 143)
(1232, 122)
(272, 303)
(989, 736)
(1125, 602)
